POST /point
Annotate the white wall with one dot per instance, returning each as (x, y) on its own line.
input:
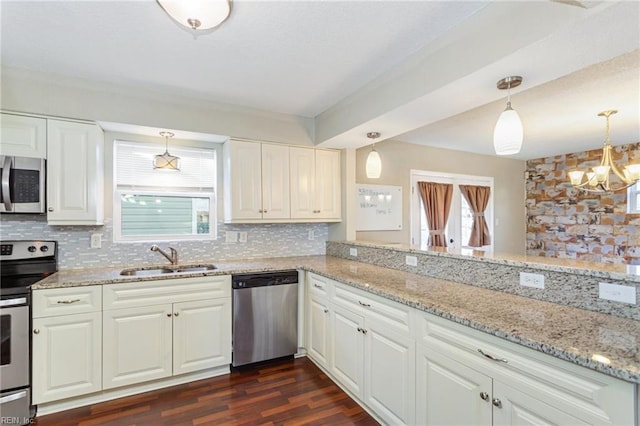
(398, 158)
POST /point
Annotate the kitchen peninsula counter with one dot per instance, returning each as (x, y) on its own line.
(601, 342)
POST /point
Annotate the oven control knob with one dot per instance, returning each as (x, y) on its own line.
(32, 249)
(44, 249)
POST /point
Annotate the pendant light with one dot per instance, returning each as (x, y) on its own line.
(374, 164)
(197, 14)
(166, 161)
(508, 133)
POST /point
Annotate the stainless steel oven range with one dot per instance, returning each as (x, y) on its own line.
(22, 263)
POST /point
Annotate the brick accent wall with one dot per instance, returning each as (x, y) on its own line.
(569, 223)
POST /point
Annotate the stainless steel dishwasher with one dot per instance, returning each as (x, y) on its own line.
(265, 316)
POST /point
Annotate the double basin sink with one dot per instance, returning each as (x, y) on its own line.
(173, 269)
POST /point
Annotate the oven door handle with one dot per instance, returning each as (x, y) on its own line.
(13, 302)
(13, 397)
(6, 187)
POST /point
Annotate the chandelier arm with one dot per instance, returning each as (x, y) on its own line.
(600, 191)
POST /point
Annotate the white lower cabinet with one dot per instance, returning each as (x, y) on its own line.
(347, 349)
(318, 332)
(66, 343)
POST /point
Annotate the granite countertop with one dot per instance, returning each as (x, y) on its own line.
(600, 342)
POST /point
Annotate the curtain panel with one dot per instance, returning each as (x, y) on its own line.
(436, 199)
(478, 199)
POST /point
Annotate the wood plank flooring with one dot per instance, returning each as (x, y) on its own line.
(285, 392)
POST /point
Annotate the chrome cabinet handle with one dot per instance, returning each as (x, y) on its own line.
(317, 285)
(484, 396)
(496, 402)
(68, 302)
(6, 190)
(326, 311)
(260, 211)
(36, 331)
(362, 330)
(50, 209)
(366, 305)
(316, 211)
(492, 358)
(176, 314)
(169, 314)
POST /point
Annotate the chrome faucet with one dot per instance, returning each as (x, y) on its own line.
(173, 258)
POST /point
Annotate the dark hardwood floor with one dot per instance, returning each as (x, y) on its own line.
(286, 392)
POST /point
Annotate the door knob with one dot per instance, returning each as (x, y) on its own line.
(496, 402)
(484, 396)
(451, 240)
(36, 331)
(50, 209)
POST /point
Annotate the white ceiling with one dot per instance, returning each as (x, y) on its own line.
(320, 58)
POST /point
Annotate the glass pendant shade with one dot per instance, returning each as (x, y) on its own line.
(508, 133)
(197, 14)
(374, 165)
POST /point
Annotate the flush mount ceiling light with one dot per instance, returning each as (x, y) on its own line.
(508, 133)
(166, 161)
(598, 180)
(374, 164)
(197, 14)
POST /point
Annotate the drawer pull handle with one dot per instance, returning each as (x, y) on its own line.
(484, 396)
(326, 311)
(362, 330)
(317, 286)
(68, 302)
(496, 402)
(169, 314)
(492, 358)
(176, 314)
(366, 305)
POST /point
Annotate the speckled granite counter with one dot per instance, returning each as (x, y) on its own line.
(601, 342)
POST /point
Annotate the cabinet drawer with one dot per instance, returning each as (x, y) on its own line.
(65, 301)
(588, 395)
(374, 307)
(147, 293)
(319, 286)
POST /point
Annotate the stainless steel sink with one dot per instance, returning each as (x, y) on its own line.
(178, 269)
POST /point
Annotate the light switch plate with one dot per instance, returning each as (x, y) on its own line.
(528, 279)
(411, 260)
(353, 252)
(617, 293)
(242, 237)
(312, 235)
(96, 241)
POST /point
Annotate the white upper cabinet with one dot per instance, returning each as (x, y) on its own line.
(75, 193)
(23, 136)
(315, 184)
(279, 183)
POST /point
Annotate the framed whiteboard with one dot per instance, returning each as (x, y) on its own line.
(379, 208)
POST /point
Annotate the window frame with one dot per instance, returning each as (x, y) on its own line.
(633, 206)
(190, 192)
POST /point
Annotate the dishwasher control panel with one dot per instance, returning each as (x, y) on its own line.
(263, 279)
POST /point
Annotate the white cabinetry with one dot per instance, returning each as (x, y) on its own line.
(75, 191)
(156, 329)
(319, 320)
(315, 184)
(256, 181)
(23, 136)
(67, 343)
(506, 384)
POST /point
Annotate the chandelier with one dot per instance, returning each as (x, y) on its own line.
(166, 161)
(598, 180)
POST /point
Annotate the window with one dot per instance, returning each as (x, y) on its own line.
(460, 222)
(156, 205)
(633, 198)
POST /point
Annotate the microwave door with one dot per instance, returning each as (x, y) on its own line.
(23, 185)
(7, 166)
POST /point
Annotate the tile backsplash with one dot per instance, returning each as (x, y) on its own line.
(263, 240)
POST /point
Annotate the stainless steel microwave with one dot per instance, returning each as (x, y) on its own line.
(23, 184)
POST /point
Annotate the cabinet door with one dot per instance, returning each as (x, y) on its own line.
(74, 173)
(303, 176)
(67, 356)
(137, 345)
(275, 182)
(327, 203)
(23, 136)
(513, 407)
(244, 183)
(319, 330)
(201, 335)
(450, 393)
(347, 349)
(390, 373)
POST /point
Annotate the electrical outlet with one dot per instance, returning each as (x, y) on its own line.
(96, 241)
(242, 237)
(231, 237)
(353, 252)
(618, 293)
(528, 279)
(312, 235)
(411, 260)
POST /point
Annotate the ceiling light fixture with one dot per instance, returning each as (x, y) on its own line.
(166, 161)
(374, 164)
(197, 14)
(598, 180)
(508, 133)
